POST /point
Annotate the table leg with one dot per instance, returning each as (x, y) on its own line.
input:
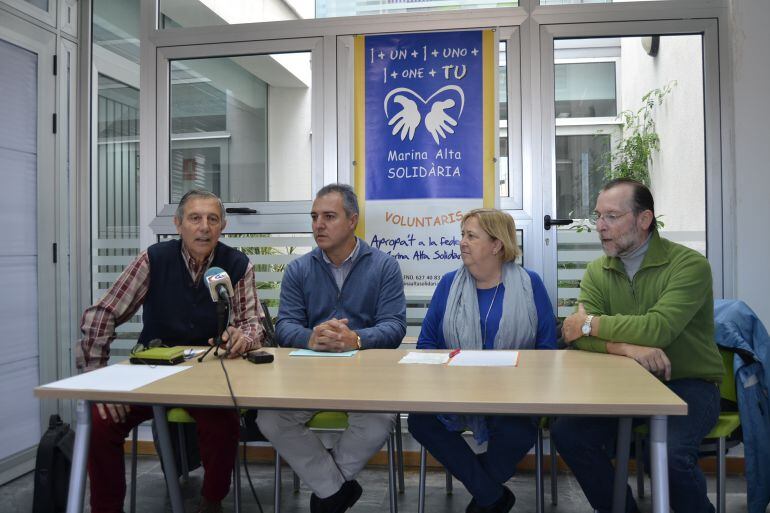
(77, 486)
(659, 464)
(167, 457)
(621, 465)
(539, 494)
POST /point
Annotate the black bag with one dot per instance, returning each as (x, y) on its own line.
(52, 467)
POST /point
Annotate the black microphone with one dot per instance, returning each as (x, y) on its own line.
(220, 286)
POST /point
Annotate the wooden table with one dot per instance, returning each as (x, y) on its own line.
(544, 383)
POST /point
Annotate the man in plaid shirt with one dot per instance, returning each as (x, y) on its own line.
(167, 280)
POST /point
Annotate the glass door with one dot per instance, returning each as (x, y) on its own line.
(628, 102)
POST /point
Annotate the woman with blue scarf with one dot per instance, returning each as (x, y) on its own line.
(489, 303)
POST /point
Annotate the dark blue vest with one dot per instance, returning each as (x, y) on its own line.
(176, 310)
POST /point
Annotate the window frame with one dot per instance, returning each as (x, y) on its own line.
(285, 216)
(46, 16)
(516, 174)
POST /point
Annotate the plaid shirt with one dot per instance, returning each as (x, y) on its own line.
(127, 294)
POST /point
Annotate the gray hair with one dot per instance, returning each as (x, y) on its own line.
(198, 193)
(349, 198)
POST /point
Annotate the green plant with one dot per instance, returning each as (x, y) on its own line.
(264, 267)
(631, 158)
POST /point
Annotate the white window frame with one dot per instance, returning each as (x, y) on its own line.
(48, 17)
(516, 174)
(281, 216)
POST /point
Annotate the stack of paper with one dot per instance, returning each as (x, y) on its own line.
(427, 358)
(485, 358)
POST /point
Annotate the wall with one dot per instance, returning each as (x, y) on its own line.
(678, 170)
(750, 41)
(289, 143)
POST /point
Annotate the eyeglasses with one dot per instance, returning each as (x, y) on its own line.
(609, 218)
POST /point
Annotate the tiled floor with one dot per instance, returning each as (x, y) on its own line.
(16, 496)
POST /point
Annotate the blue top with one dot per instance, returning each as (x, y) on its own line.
(432, 333)
(371, 298)
(738, 329)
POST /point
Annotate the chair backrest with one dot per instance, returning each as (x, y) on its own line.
(727, 388)
(267, 324)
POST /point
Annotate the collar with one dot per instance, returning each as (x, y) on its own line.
(352, 256)
(656, 255)
(363, 250)
(192, 266)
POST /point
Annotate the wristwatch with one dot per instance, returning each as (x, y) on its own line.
(358, 342)
(586, 328)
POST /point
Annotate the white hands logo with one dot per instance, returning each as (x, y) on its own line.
(407, 119)
(438, 122)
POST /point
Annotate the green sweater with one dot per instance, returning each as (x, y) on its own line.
(669, 304)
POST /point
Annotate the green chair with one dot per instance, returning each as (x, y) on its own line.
(727, 424)
(181, 417)
(335, 421)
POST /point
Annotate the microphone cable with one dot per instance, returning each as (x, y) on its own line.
(242, 425)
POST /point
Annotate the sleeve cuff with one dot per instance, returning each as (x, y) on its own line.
(593, 344)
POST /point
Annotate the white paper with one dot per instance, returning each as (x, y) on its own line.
(310, 352)
(425, 358)
(491, 358)
(118, 378)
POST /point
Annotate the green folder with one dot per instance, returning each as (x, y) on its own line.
(158, 356)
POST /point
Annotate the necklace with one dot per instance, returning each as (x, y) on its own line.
(486, 317)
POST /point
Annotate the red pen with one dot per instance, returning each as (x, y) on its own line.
(454, 353)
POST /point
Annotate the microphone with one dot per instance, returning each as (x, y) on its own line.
(221, 290)
(220, 286)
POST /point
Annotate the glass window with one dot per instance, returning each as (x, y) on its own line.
(510, 178)
(241, 127)
(115, 32)
(502, 88)
(202, 13)
(115, 138)
(585, 90)
(580, 163)
(42, 4)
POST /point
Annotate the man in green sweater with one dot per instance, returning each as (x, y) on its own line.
(649, 299)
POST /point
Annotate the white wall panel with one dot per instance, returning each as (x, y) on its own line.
(19, 183)
(18, 93)
(18, 311)
(18, 403)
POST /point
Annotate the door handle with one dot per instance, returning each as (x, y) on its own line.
(548, 221)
